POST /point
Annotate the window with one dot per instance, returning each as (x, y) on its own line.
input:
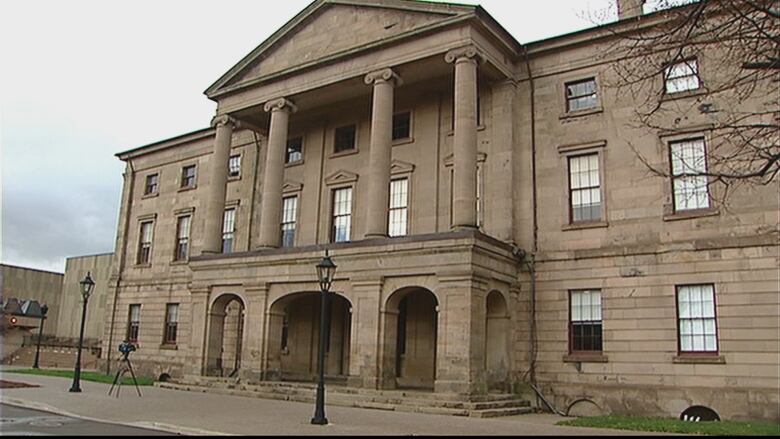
(682, 76)
(289, 214)
(402, 126)
(228, 230)
(182, 238)
(152, 184)
(188, 176)
(584, 188)
(342, 215)
(690, 186)
(698, 332)
(133, 323)
(294, 150)
(345, 138)
(399, 208)
(171, 323)
(234, 166)
(585, 321)
(145, 243)
(581, 95)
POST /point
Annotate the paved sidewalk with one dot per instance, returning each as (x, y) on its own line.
(201, 414)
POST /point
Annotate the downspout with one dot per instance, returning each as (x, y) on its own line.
(530, 260)
(122, 260)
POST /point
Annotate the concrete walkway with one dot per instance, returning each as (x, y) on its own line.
(201, 414)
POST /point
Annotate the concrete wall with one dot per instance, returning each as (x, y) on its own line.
(69, 321)
(29, 284)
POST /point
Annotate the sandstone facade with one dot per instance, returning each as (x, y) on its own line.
(476, 293)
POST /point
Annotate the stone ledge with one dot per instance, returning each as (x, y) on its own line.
(699, 359)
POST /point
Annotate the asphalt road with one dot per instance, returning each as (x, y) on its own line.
(25, 422)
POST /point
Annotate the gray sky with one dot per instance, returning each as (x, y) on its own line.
(84, 79)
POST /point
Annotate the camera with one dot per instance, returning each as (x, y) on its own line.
(126, 348)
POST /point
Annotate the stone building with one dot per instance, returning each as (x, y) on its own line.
(76, 268)
(490, 225)
(25, 284)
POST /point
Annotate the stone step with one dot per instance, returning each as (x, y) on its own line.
(495, 413)
(363, 398)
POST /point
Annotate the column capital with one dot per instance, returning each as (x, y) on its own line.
(281, 104)
(464, 54)
(384, 75)
(222, 120)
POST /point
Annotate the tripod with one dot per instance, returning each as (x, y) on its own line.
(120, 374)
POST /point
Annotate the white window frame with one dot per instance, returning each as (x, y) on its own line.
(229, 230)
(697, 320)
(398, 214)
(682, 77)
(290, 219)
(335, 215)
(688, 161)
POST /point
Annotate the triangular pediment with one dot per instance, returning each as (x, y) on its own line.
(399, 167)
(292, 186)
(328, 29)
(340, 177)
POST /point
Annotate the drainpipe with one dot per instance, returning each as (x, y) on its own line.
(530, 260)
(121, 262)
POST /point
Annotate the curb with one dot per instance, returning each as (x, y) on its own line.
(158, 426)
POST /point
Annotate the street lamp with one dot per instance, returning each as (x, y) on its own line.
(326, 269)
(44, 310)
(86, 289)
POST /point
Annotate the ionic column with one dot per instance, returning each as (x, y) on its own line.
(464, 213)
(384, 82)
(273, 180)
(215, 199)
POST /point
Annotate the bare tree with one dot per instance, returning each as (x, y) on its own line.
(710, 63)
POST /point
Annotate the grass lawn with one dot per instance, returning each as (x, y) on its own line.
(85, 376)
(669, 425)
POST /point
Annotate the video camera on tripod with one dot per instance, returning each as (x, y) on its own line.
(126, 348)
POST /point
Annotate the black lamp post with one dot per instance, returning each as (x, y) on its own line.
(86, 289)
(44, 310)
(326, 269)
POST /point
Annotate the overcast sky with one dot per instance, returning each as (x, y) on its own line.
(84, 79)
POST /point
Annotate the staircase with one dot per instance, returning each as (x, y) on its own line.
(480, 406)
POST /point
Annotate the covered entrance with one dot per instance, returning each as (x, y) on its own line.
(295, 335)
(226, 333)
(411, 333)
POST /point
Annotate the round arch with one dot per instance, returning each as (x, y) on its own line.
(497, 340)
(410, 332)
(293, 337)
(225, 335)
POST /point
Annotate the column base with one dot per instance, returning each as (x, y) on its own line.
(375, 236)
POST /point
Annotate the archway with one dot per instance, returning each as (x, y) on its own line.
(497, 331)
(295, 335)
(411, 333)
(226, 333)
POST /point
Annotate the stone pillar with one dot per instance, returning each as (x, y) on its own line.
(364, 355)
(384, 82)
(273, 180)
(215, 199)
(254, 332)
(196, 361)
(460, 356)
(464, 214)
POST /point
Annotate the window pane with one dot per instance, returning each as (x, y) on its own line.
(342, 214)
(402, 126)
(294, 150)
(345, 138)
